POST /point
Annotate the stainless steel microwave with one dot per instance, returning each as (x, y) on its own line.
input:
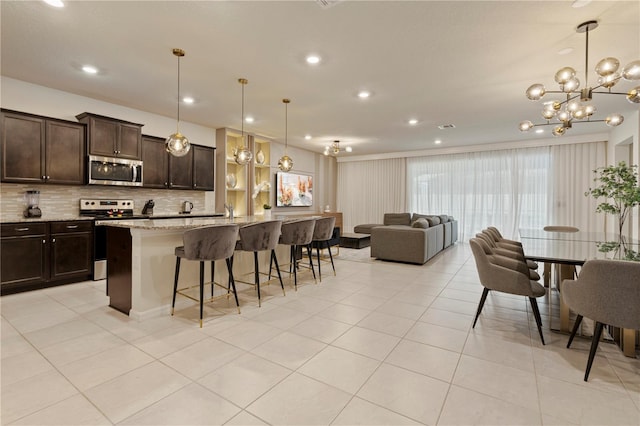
(114, 171)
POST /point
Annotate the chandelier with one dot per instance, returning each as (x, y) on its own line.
(575, 105)
(334, 149)
(242, 155)
(285, 163)
(177, 144)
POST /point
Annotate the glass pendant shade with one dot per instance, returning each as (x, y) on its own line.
(614, 120)
(609, 81)
(634, 95)
(548, 114)
(564, 75)
(631, 71)
(571, 85)
(607, 66)
(242, 156)
(177, 145)
(535, 92)
(285, 163)
(526, 125)
(564, 116)
(558, 131)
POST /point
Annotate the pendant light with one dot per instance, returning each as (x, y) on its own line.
(177, 144)
(242, 155)
(285, 163)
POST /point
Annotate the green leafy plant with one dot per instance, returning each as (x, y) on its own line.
(618, 185)
(266, 206)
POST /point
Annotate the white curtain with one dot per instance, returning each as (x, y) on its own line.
(572, 168)
(507, 189)
(369, 189)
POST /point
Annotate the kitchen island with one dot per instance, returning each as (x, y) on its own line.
(141, 261)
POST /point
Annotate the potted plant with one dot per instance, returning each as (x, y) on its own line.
(618, 185)
(267, 210)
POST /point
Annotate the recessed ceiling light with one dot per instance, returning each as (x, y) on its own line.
(413, 122)
(446, 126)
(565, 51)
(580, 3)
(313, 59)
(364, 94)
(188, 100)
(539, 130)
(437, 141)
(307, 137)
(90, 69)
(249, 119)
(348, 149)
(54, 3)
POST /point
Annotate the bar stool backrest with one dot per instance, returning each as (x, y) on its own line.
(323, 230)
(299, 232)
(260, 236)
(210, 242)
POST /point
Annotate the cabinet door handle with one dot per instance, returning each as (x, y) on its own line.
(53, 240)
(166, 184)
(44, 242)
(72, 226)
(22, 229)
(44, 177)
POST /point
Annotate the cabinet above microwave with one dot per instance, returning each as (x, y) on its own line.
(110, 137)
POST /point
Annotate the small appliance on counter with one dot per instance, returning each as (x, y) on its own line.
(187, 207)
(32, 200)
(148, 208)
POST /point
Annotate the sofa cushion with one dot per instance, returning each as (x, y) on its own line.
(417, 216)
(420, 223)
(444, 218)
(397, 219)
(365, 228)
(433, 220)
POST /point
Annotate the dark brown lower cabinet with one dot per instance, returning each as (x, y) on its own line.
(119, 270)
(44, 254)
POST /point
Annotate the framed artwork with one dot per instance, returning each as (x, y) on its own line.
(294, 190)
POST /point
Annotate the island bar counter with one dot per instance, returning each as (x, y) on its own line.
(141, 262)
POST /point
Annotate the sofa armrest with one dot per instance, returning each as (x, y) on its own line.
(403, 243)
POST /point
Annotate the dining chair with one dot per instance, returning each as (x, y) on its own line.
(507, 252)
(500, 241)
(608, 292)
(207, 244)
(506, 275)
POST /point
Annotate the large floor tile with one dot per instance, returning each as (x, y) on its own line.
(76, 410)
(245, 419)
(169, 340)
(248, 334)
(61, 332)
(81, 347)
(361, 412)
(322, 329)
(498, 349)
(435, 335)
(300, 400)
(136, 390)
(372, 344)
(340, 368)
(191, 405)
(425, 359)
(410, 394)
(467, 407)
(23, 366)
(202, 357)
(244, 380)
(289, 349)
(448, 319)
(345, 313)
(386, 323)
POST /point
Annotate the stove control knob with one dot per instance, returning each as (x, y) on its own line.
(93, 202)
(86, 203)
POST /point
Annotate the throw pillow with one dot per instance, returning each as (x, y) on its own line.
(417, 216)
(420, 223)
(444, 218)
(397, 219)
(433, 220)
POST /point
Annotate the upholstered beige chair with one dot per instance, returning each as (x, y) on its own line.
(510, 253)
(257, 237)
(500, 241)
(207, 244)
(298, 233)
(608, 292)
(506, 275)
(322, 233)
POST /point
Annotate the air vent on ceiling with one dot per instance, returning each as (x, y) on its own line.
(446, 126)
(325, 4)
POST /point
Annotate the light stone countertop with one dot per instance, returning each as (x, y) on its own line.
(191, 222)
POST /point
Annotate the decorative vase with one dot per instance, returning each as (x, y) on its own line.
(260, 157)
(231, 181)
(267, 213)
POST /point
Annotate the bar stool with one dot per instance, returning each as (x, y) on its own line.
(322, 233)
(256, 237)
(204, 244)
(297, 233)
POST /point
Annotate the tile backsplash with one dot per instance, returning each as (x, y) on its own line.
(62, 201)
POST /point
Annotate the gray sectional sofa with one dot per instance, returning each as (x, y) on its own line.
(404, 237)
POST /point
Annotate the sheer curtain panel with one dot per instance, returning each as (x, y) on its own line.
(369, 189)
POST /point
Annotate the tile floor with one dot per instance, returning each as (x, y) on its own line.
(379, 344)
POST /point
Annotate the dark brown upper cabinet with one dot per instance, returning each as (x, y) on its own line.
(38, 149)
(204, 159)
(155, 160)
(110, 137)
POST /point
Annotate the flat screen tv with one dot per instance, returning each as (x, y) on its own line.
(294, 190)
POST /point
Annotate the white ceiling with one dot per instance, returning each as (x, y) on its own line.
(466, 63)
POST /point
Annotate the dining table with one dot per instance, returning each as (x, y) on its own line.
(570, 250)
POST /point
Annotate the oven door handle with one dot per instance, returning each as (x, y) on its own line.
(135, 173)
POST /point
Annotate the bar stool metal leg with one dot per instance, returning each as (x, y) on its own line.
(175, 285)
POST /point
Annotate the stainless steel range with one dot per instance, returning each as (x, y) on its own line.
(103, 209)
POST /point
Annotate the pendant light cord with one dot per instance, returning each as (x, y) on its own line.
(286, 126)
(178, 122)
(586, 60)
